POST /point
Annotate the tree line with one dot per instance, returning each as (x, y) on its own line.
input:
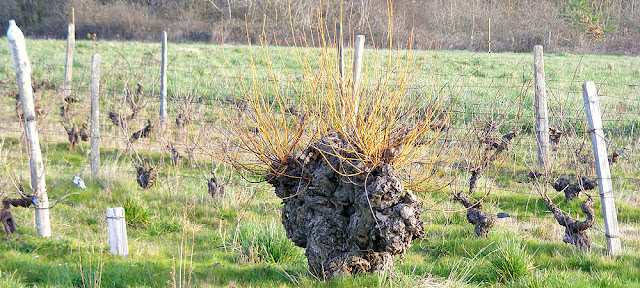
(603, 26)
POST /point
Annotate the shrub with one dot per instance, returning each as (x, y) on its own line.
(510, 260)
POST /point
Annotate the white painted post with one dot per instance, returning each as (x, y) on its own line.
(542, 121)
(68, 67)
(22, 67)
(117, 230)
(358, 54)
(592, 107)
(163, 82)
(95, 123)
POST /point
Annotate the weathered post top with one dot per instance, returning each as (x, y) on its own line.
(15, 37)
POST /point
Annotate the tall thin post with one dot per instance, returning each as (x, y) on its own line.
(95, 123)
(358, 54)
(592, 108)
(68, 67)
(22, 67)
(340, 55)
(163, 83)
(117, 232)
(489, 37)
(542, 121)
(549, 38)
(340, 46)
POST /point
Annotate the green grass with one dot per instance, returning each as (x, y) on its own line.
(136, 212)
(9, 280)
(260, 242)
(510, 261)
(236, 240)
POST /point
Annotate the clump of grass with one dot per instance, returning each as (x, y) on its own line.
(267, 243)
(447, 218)
(136, 212)
(184, 274)
(540, 232)
(510, 261)
(91, 275)
(605, 279)
(162, 225)
(460, 270)
(389, 279)
(589, 262)
(9, 280)
(537, 279)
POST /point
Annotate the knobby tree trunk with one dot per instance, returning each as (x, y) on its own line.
(348, 220)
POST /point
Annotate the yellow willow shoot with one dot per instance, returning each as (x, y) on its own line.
(295, 107)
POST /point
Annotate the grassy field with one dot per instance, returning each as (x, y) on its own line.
(179, 236)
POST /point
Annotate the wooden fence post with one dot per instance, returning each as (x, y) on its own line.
(117, 230)
(542, 121)
(22, 67)
(340, 47)
(68, 67)
(163, 82)
(489, 37)
(549, 38)
(592, 108)
(358, 54)
(95, 123)
(340, 53)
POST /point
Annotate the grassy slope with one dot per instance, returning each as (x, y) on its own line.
(177, 216)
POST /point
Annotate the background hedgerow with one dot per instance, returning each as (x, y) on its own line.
(600, 26)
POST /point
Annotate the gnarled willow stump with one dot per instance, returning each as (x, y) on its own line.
(347, 221)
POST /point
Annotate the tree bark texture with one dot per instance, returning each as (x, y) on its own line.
(348, 220)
